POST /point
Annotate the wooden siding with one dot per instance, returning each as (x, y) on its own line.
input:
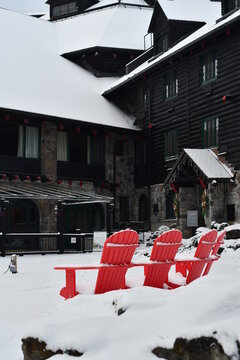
(193, 104)
(75, 171)
(12, 165)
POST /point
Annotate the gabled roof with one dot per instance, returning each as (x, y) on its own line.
(192, 39)
(119, 26)
(35, 79)
(204, 162)
(191, 10)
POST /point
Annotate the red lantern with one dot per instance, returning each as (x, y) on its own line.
(114, 55)
(27, 178)
(7, 117)
(59, 181)
(16, 177)
(4, 176)
(150, 126)
(78, 129)
(94, 132)
(80, 183)
(25, 121)
(70, 182)
(224, 98)
(49, 179)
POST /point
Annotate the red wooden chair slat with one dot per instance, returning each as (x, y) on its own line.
(215, 251)
(193, 270)
(109, 278)
(164, 249)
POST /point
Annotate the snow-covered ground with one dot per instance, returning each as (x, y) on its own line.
(31, 305)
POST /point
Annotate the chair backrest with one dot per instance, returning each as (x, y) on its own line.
(205, 245)
(118, 250)
(219, 242)
(166, 245)
(164, 250)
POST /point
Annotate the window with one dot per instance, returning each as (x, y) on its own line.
(62, 146)
(169, 205)
(233, 4)
(143, 208)
(170, 85)
(8, 139)
(96, 150)
(208, 67)
(162, 43)
(124, 208)
(77, 147)
(64, 9)
(210, 132)
(170, 144)
(141, 154)
(28, 142)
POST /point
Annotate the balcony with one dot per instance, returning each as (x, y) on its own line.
(19, 166)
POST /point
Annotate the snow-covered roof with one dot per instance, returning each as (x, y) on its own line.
(189, 10)
(34, 78)
(208, 162)
(119, 26)
(188, 41)
(109, 2)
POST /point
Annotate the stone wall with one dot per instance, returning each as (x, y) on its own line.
(49, 150)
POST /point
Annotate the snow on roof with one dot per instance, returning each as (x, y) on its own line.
(189, 10)
(34, 78)
(118, 26)
(109, 2)
(191, 39)
(209, 164)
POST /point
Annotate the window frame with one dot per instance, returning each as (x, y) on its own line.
(173, 141)
(23, 145)
(162, 43)
(170, 85)
(215, 136)
(208, 60)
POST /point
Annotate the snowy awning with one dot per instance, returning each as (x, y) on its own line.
(38, 191)
(203, 162)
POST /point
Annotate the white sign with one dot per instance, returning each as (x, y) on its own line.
(192, 218)
(73, 240)
(99, 237)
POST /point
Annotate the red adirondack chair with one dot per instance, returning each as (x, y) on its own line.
(193, 269)
(116, 258)
(215, 251)
(163, 253)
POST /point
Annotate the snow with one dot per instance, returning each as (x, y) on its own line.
(189, 10)
(109, 2)
(105, 29)
(42, 82)
(198, 35)
(31, 305)
(209, 163)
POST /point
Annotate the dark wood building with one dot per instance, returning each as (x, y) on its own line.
(186, 96)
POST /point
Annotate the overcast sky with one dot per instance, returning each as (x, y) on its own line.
(25, 5)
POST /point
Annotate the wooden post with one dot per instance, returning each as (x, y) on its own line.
(60, 227)
(4, 208)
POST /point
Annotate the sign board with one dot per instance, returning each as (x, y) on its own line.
(99, 237)
(192, 218)
(73, 240)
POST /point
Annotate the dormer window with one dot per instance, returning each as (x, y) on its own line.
(233, 4)
(162, 43)
(64, 9)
